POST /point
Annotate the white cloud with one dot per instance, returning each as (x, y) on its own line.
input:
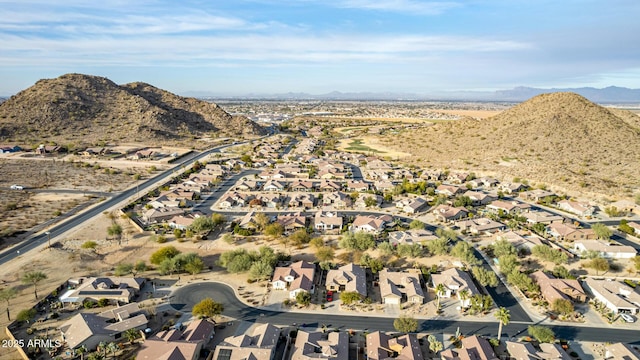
(402, 6)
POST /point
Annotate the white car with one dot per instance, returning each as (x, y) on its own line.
(628, 318)
(17, 187)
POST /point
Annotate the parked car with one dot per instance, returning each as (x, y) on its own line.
(329, 296)
(628, 318)
(17, 187)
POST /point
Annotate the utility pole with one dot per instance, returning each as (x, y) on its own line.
(49, 239)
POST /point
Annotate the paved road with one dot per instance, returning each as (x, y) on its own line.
(185, 297)
(69, 224)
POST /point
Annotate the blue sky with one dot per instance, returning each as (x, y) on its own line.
(232, 47)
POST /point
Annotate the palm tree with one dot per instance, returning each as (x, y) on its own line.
(440, 289)
(113, 347)
(81, 350)
(34, 277)
(463, 295)
(503, 317)
(102, 346)
(131, 335)
(6, 295)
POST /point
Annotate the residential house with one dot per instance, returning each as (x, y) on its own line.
(348, 277)
(161, 214)
(450, 190)
(247, 185)
(381, 346)
(520, 241)
(622, 351)
(605, 249)
(384, 186)
(144, 154)
(562, 231)
(553, 289)
(357, 185)
(270, 200)
(177, 344)
(318, 345)
(292, 222)
(114, 289)
(327, 221)
(271, 174)
(485, 182)
(479, 198)
(182, 222)
(543, 217)
(302, 186)
(410, 237)
(304, 200)
(626, 206)
(338, 200)
(615, 295)
(9, 148)
(411, 206)
(90, 329)
(296, 277)
(579, 208)
(226, 201)
(473, 348)
(259, 346)
(368, 223)
(526, 351)
(513, 188)
(480, 226)
(399, 287)
(274, 185)
(536, 194)
(455, 281)
(508, 207)
(457, 178)
(635, 226)
(361, 201)
(328, 185)
(447, 213)
(49, 149)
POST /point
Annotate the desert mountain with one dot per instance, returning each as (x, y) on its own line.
(83, 108)
(556, 138)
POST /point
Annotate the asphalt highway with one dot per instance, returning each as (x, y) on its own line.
(185, 297)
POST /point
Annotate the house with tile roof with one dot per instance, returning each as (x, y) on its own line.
(381, 346)
(350, 277)
(553, 289)
(319, 345)
(615, 295)
(473, 348)
(177, 344)
(455, 281)
(397, 287)
(261, 345)
(295, 278)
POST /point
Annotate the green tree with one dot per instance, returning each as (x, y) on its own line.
(33, 278)
(547, 253)
(562, 306)
(405, 324)
(317, 242)
(202, 224)
(462, 201)
(539, 228)
(260, 270)
(236, 261)
(115, 230)
(636, 263)
(350, 297)
(409, 250)
(26, 315)
(207, 308)
(194, 265)
(598, 264)
(162, 254)
(385, 248)
(502, 248)
(113, 348)
(218, 220)
(448, 234)
(440, 292)
(132, 335)
(434, 345)
(463, 251)
(484, 277)
(123, 269)
(602, 231)
(140, 266)
(562, 272)
(303, 298)
(625, 227)
(463, 296)
(300, 237)
(325, 253)
(274, 230)
(541, 333)
(416, 224)
(438, 246)
(503, 316)
(7, 294)
(357, 241)
(508, 263)
(522, 281)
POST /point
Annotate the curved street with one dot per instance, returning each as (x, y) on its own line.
(186, 296)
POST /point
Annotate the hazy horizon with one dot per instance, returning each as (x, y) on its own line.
(271, 47)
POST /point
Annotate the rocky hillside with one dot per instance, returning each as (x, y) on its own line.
(81, 108)
(558, 139)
